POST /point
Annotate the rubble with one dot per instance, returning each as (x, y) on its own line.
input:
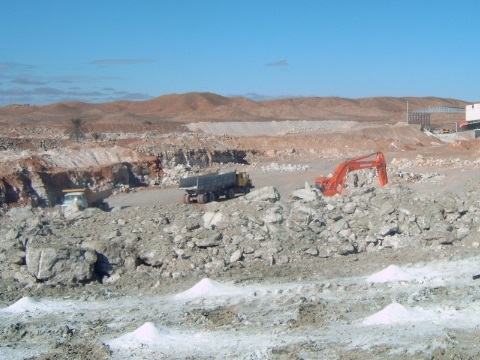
(259, 228)
(276, 167)
(422, 162)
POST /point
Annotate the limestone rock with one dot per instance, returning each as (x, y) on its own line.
(60, 263)
(268, 193)
(236, 256)
(211, 219)
(307, 195)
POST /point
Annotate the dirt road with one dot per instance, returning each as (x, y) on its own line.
(285, 182)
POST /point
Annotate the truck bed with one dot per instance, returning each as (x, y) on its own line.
(207, 183)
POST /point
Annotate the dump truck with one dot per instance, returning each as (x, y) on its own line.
(84, 198)
(210, 187)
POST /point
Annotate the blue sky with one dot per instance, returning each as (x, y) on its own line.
(106, 50)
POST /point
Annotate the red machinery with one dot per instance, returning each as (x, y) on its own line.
(330, 186)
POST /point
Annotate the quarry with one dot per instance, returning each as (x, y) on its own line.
(280, 272)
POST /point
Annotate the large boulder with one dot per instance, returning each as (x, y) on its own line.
(211, 219)
(155, 251)
(306, 194)
(23, 217)
(50, 261)
(267, 193)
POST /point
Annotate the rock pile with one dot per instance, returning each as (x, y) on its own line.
(276, 167)
(421, 161)
(259, 229)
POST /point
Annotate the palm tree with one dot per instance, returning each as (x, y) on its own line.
(77, 129)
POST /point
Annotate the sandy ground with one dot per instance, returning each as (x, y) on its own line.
(285, 182)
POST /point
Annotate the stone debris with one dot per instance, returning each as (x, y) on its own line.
(259, 229)
(276, 167)
(306, 194)
(421, 162)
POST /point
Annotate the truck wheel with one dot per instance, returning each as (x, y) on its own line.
(247, 190)
(202, 198)
(212, 197)
(230, 193)
(186, 199)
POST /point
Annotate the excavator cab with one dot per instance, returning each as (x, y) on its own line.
(321, 182)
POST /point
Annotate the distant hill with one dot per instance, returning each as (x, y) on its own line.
(177, 109)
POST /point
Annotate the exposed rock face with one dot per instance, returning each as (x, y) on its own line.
(255, 230)
(18, 144)
(38, 180)
(199, 157)
(40, 186)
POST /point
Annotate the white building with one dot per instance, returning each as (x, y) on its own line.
(472, 112)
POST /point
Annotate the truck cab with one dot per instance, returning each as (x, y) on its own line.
(243, 180)
(77, 198)
(85, 198)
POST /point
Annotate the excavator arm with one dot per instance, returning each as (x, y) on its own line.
(333, 185)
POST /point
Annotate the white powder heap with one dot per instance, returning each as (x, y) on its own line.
(147, 334)
(25, 304)
(391, 273)
(207, 287)
(398, 314)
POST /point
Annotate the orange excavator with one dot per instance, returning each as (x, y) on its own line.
(330, 186)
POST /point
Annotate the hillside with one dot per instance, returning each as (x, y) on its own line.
(168, 112)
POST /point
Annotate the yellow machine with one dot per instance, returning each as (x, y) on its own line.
(242, 179)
